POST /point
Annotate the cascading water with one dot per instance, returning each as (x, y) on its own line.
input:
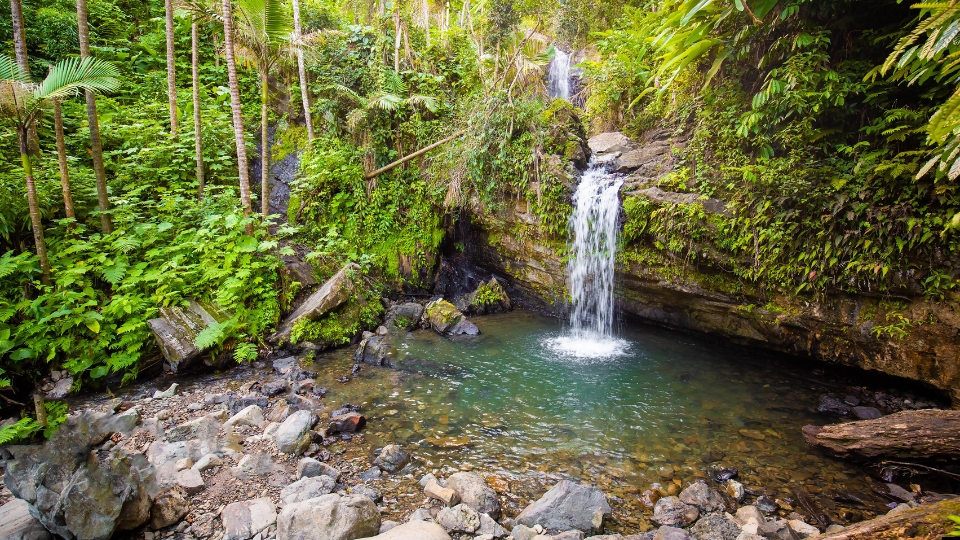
(558, 76)
(594, 227)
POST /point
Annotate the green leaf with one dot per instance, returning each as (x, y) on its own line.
(94, 326)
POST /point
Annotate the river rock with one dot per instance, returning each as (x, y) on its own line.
(610, 143)
(705, 498)
(249, 416)
(208, 461)
(803, 530)
(293, 434)
(204, 428)
(190, 481)
(404, 316)
(168, 508)
(369, 492)
(309, 467)
(243, 520)
(392, 458)
(435, 491)
(734, 489)
(330, 517)
(475, 493)
(414, 530)
(578, 535)
(671, 533)
(488, 525)
(307, 488)
(274, 387)
(376, 350)
(460, 518)
(922, 434)
(715, 527)
(832, 405)
(177, 328)
(568, 506)
(76, 497)
(673, 512)
(346, 423)
(446, 319)
(331, 295)
(867, 413)
(748, 513)
(16, 523)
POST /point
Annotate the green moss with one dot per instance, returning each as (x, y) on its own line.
(361, 312)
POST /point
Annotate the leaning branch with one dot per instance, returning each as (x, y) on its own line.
(416, 154)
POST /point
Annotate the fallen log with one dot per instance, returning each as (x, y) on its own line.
(925, 434)
(925, 522)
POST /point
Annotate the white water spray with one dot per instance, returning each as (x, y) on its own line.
(592, 267)
(558, 76)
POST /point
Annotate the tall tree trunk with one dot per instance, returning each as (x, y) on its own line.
(304, 90)
(237, 114)
(264, 141)
(96, 149)
(171, 69)
(426, 20)
(35, 222)
(62, 160)
(216, 47)
(197, 132)
(20, 51)
(396, 41)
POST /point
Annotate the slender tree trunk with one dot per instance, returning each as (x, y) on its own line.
(197, 132)
(171, 69)
(304, 90)
(396, 41)
(426, 20)
(35, 222)
(216, 47)
(62, 160)
(264, 142)
(20, 51)
(237, 114)
(96, 149)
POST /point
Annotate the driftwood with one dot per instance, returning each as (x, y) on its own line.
(922, 435)
(925, 522)
(418, 153)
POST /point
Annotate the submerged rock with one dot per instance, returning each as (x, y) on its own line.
(568, 506)
(392, 458)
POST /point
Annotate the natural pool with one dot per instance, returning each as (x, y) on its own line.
(505, 405)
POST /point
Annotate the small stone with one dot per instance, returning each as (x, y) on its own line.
(705, 498)
(834, 528)
(734, 489)
(446, 495)
(460, 518)
(753, 434)
(164, 414)
(169, 392)
(392, 458)
(803, 530)
(194, 407)
(902, 507)
(369, 492)
(208, 461)
(666, 473)
(766, 504)
(852, 401)
(190, 481)
(249, 416)
(168, 508)
(522, 532)
(426, 479)
(867, 413)
(715, 527)
(489, 526)
(371, 474)
(346, 423)
(673, 512)
(182, 464)
(671, 533)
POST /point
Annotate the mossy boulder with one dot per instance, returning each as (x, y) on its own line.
(490, 297)
(446, 319)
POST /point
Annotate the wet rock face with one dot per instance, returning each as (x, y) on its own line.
(77, 493)
(568, 506)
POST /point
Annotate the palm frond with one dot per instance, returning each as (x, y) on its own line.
(429, 102)
(385, 101)
(11, 71)
(74, 74)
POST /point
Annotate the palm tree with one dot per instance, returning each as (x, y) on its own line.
(195, 72)
(237, 110)
(263, 29)
(21, 101)
(62, 160)
(301, 67)
(96, 148)
(171, 68)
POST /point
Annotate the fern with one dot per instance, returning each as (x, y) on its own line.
(21, 431)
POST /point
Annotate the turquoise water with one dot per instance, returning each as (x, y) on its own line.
(507, 405)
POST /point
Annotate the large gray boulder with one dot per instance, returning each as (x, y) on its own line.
(74, 496)
(330, 517)
(330, 296)
(414, 530)
(613, 142)
(293, 434)
(16, 523)
(475, 493)
(568, 506)
(177, 328)
(243, 520)
(705, 498)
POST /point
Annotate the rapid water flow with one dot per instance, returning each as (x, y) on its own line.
(558, 76)
(591, 268)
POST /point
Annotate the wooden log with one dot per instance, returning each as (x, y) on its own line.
(925, 522)
(418, 153)
(911, 435)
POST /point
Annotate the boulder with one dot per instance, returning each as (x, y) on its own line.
(77, 497)
(245, 519)
(403, 316)
(330, 296)
(168, 508)
(392, 458)
(446, 319)
(673, 512)
(610, 143)
(306, 488)
(190, 481)
(922, 434)
(293, 434)
(330, 517)
(177, 328)
(309, 467)
(715, 527)
(705, 498)
(435, 491)
(475, 493)
(16, 523)
(489, 526)
(488, 298)
(350, 422)
(414, 530)
(370, 492)
(459, 519)
(671, 533)
(376, 350)
(568, 506)
(251, 415)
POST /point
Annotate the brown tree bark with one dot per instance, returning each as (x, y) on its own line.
(237, 110)
(96, 148)
(928, 521)
(197, 132)
(301, 67)
(921, 435)
(20, 52)
(62, 160)
(264, 142)
(171, 68)
(35, 222)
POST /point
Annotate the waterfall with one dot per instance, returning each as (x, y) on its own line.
(558, 76)
(591, 268)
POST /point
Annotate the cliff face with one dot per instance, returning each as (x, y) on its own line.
(909, 337)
